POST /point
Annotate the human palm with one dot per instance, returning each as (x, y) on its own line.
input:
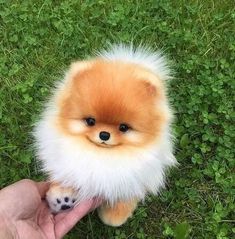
(26, 214)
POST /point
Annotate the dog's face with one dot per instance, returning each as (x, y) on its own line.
(112, 104)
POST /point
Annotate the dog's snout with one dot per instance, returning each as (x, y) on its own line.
(104, 135)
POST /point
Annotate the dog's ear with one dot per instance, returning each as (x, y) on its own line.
(150, 88)
(79, 67)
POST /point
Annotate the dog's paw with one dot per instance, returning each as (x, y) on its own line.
(118, 214)
(61, 198)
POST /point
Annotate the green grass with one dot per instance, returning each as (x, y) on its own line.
(39, 39)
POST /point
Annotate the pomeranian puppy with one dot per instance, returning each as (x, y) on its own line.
(105, 132)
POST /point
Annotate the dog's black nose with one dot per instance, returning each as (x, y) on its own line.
(104, 135)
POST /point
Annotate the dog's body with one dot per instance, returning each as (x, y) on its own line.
(106, 132)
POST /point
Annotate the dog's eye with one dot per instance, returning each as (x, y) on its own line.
(90, 121)
(124, 128)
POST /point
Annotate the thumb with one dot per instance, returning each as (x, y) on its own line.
(66, 221)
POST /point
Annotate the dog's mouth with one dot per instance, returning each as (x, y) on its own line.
(102, 144)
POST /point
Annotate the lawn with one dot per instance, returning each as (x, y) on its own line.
(39, 39)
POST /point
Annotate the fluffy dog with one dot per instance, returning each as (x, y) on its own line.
(105, 132)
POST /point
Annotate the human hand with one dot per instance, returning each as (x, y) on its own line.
(24, 214)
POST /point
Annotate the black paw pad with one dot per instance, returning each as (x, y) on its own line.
(58, 201)
(66, 199)
(65, 207)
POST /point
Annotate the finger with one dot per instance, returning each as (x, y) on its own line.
(42, 188)
(45, 220)
(66, 221)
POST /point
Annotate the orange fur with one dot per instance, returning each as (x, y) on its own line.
(113, 93)
(55, 187)
(117, 215)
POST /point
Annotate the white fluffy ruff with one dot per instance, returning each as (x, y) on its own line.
(141, 55)
(100, 172)
(103, 172)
